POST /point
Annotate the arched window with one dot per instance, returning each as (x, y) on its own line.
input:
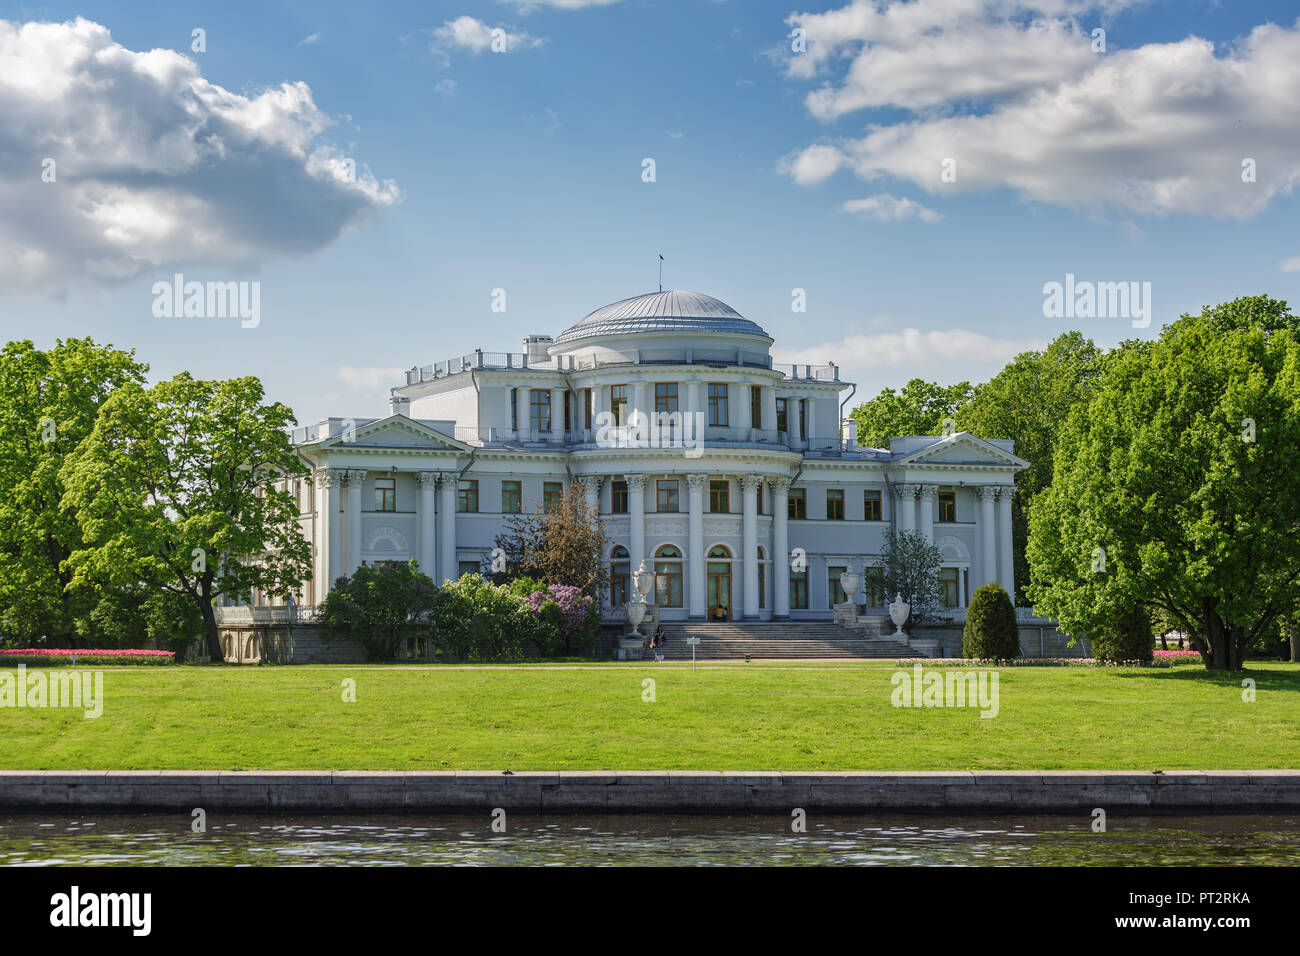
(668, 577)
(620, 577)
(719, 551)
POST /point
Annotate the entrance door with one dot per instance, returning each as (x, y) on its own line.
(720, 591)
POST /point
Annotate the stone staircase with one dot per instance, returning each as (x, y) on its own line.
(779, 640)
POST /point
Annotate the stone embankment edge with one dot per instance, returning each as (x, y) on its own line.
(477, 791)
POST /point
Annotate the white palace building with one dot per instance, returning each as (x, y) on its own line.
(737, 481)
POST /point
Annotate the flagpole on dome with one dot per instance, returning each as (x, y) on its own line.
(661, 272)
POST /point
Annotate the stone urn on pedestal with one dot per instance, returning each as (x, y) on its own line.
(631, 647)
(847, 612)
(898, 612)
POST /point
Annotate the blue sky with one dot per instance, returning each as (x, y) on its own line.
(523, 171)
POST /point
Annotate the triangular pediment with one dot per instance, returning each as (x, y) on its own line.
(396, 431)
(963, 448)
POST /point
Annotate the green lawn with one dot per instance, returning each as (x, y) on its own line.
(751, 717)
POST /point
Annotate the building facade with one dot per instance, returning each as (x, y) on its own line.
(737, 481)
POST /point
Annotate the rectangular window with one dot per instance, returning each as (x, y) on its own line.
(949, 587)
(720, 496)
(514, 409)
(666, 499)
(665, 396)
(835, 504)
(620, 583)
(799, 590)
(618, 498)
(586, 408)
(539, 409)
(874, 579)
(385, 494)
(512, 498)
(470, 567)
(552, 492)
(755, 406)
(717, 403)
(568, 410)
(467, 497)
(948, 506)
(834, 590)
(781, 416)
(618, 404)
(803, 418)
(797, 503)
(871, 509)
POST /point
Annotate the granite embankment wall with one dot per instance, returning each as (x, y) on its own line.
(1208, 791)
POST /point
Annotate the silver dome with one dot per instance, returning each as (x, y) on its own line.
(663, 312)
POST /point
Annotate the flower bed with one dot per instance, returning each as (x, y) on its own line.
(83, 656)
(1027, 662)
(1177, 655)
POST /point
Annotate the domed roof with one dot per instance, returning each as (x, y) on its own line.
(663, 312)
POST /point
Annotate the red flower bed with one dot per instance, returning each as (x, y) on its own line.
(64, 656)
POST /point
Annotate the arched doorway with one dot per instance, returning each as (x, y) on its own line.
(719, 592)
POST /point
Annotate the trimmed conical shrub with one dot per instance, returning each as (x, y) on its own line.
(991, 630)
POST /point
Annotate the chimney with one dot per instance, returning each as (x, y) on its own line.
(398, 404)
(850, 430)
(536, 345)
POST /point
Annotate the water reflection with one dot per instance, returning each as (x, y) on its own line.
(645, 840)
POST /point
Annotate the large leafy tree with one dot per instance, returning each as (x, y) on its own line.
(184, 486)
(918, 408)
(1028, 401)
(1172, 488)
(911, 565)
(49, 401)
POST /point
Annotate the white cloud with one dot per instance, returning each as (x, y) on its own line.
(445, 87)
(474, 36)
(911, 348)
(886, 208)
(1162, 128)
(309, 40)
(154, 165)
(369, 379)
(1289, 265)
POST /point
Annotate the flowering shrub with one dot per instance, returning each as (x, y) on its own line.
(571, 613)
(63, 656)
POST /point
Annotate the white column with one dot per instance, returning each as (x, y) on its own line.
(327, 524)
(636, 520)
(591, 487)
(780, 546)
(695, 561)
(356, 479)
(557, 416)
(744, 411)
(929, 502)
(523, 411)
(640, 414)
(988, 561)
(448, 482)
(792, 421)
(812, 426)
(905, 501)
(749, 485)
(769, 409)
(1006, 562)
(428, 481)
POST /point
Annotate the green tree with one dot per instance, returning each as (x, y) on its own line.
(1126, 638)
(378, 608)
(990, 632)
(911, 569)
(183, 486)
(49, 401)
(1027, 402)
(563, 545)
(1171, 489)
(918, 408)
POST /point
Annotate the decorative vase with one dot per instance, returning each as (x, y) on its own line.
(898, 612)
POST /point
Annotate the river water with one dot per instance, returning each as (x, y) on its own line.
(648, 840)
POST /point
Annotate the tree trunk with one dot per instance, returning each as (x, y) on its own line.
(1226, 642)
(210, 631)
(1295, 642)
